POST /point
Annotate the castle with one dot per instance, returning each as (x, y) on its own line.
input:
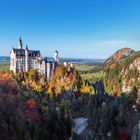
(23, 60)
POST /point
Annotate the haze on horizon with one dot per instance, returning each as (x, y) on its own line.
(76, 28)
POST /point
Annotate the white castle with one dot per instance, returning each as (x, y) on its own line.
(23, 60)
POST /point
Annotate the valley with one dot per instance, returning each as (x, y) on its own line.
(4, 65)
(90, 101)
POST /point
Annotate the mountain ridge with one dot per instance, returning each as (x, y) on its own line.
(69, 60)
(124, 75)
(119, 56)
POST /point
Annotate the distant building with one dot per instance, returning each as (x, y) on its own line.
(25, 60)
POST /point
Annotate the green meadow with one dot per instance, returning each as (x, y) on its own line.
(91, 73)
(4, 65)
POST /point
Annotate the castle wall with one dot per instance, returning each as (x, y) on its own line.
(20, 64)
(12, 62)
(49, 69)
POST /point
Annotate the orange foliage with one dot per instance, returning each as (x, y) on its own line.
(59, 71)
(130, 82)
(108, 82)
(112, 66)
(7, 83)
(63, 79)
(115, 90)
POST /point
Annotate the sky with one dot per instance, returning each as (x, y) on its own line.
(76, 28)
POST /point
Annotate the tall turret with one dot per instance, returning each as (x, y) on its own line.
(26, 59)
(13, 64)
(56, 59)
(20, 44)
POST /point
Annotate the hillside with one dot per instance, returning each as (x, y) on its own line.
(72, 104)
(119, 56)
(125, 76)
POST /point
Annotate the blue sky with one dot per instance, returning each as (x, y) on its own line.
(76, 28)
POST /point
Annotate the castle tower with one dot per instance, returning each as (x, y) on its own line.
(26, 59)
(56, 56)
(56, 59)
(20, 44)
(44, 67)
(13, 61)
(49, 69)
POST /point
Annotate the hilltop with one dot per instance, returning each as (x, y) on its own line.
(119, 56)
(123, 74)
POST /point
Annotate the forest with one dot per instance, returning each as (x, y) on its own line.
(34, 108)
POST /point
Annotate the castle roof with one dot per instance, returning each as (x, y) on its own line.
(31, 53)
(19, 52)
(34, 53)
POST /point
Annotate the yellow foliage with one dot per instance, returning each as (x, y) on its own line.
(85, 88)
(35, 86)
(50, 90)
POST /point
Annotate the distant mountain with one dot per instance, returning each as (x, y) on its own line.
(80, 61)
(119, 56)
(83, 61)
(4, 58)
(123, 76)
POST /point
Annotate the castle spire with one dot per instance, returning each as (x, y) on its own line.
(20, 44)
(26, 47)
(56, 57)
